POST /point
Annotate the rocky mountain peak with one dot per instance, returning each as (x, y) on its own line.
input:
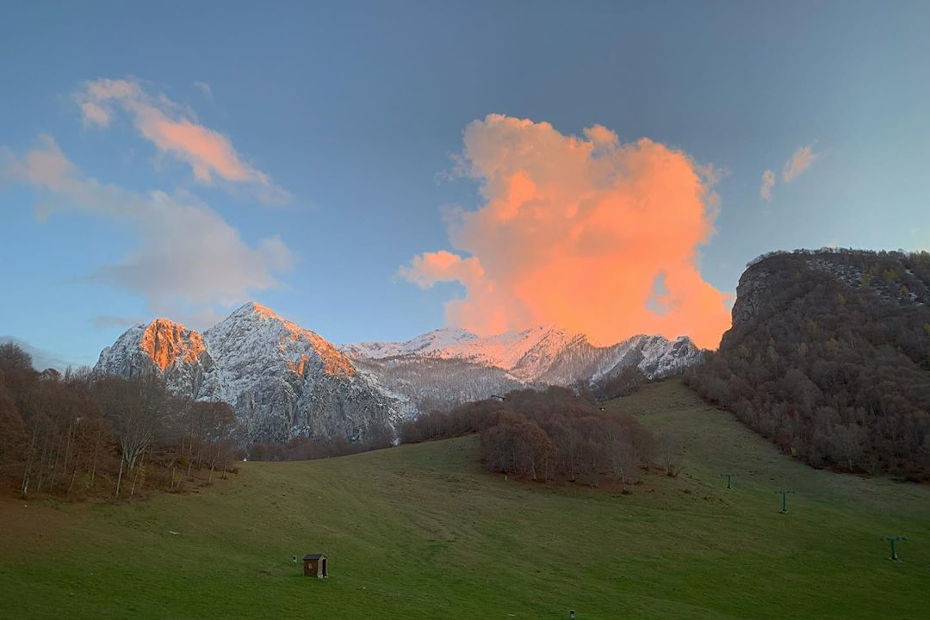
(166, 341)
(253, 309)
(282, 380)
(289, 338)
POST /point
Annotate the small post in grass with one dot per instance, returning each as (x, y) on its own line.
(894, 552)
(729, 478)
(784, 500)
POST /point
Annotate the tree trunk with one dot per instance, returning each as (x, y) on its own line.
(28, 470)
(64, 467)
(93, 471)
(135, 477)
(119, 478)
(73, 476)
(55, 465)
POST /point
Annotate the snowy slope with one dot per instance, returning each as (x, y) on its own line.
(539, 355)
(282, 380)
(285, 381)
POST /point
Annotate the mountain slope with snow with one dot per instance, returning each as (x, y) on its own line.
(285, 381)
(282, 380)
(537, 356)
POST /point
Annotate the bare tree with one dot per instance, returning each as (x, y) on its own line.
(136, 408)
(670, 452)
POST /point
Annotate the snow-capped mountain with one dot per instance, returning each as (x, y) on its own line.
(285, 381)
(505, 351)
(282, 380)
(544, 355)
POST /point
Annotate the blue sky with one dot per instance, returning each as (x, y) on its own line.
(354, 109)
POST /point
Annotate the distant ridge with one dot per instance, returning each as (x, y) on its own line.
(539, 354)
(449, 365)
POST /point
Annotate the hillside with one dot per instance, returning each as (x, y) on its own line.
(423, 531)
(829, 357)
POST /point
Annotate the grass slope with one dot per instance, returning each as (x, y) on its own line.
(422, 531)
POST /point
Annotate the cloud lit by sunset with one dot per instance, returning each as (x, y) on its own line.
(587, 233)
(166, 124)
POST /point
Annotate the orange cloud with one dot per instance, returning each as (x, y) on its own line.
(800, 161)
(166, 124)
(592, 235)
(205, 150)
(432, 267)
(768, 183)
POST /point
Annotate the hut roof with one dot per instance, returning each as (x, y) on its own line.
(314, 556)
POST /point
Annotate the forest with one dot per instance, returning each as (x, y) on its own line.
(555, 434)
(829, 357)
(78, 435)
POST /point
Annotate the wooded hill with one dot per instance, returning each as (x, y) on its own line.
(829, 357)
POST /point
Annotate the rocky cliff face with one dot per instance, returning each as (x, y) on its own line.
(162, 347)
(282, 380)
(752, 293)
(893, 277)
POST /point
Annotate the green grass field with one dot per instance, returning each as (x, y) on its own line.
(423, 531)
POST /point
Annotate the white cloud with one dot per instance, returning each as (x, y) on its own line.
(205, 89)
(188, 256)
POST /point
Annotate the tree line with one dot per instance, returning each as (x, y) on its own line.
(306, 448)
(79, 435)
(834, 363)
(555, 434)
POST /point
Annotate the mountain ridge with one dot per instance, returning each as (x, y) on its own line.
(283, 380)
(544, 354)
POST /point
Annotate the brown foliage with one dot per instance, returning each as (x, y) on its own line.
(77, 435)
(545, 435)
(306, 448)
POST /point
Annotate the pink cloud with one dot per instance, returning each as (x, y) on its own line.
(576, 232)
(442, 266)
(800, 161)
(768, 183)
(170, 128)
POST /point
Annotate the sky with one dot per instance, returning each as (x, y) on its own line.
(375, 170)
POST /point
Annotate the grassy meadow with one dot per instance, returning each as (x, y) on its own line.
(422, 531)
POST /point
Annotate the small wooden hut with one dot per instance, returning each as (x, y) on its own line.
(315, 565)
